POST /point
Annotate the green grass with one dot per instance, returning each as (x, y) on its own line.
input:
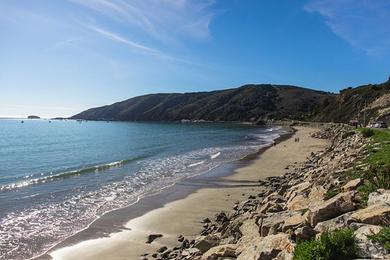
(367, 132)
(378, 162)
(379, 150)
(383, 238)
(334, 245)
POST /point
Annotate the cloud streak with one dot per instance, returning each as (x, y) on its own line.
(365, 24)
(165, 20)
(146, 50)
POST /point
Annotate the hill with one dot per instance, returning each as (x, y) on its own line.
(252, 103)
(368, 102)
(246, 103)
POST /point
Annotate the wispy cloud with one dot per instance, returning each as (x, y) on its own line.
(165, 20)
(146, 50)
(365, 24)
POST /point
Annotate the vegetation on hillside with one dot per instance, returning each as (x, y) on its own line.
(253, 103)
(247, 103)
(374, 169)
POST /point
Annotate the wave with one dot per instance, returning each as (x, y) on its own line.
(213, 156)
(196, 164)
(68, 174)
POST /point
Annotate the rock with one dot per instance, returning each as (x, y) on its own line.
(367, 248)
(377, 214)
(206, 220)
(352, 185)
(207, 242)
(153, 237)
(331, 208)
(190, 251)
(304, 233)
(218, 252)
(180, 238)
(185, 243)
(293, 222)
(333, 224)
(33, 117)
(300, 201)
(221, 218)
(380, 196)
(162, 249)
(267, 248)
(272, 223)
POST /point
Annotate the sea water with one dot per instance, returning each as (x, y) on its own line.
(56, 177)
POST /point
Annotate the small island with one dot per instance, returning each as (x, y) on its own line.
(33, 117)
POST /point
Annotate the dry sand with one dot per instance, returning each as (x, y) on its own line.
(183, 216)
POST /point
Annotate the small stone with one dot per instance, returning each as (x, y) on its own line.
(206, 220)
(162, 249)
(153, 237)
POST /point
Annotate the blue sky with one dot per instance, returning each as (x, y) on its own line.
(60, 57)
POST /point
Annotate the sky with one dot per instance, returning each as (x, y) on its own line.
(60, 57)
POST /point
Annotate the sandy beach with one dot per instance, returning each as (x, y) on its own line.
(184, 216)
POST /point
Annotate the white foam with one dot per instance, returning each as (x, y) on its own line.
(215, 155)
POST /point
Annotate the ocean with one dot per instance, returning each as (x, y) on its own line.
(57, 177)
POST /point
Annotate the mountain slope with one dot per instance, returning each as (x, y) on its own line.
(253, 103)
(370, 101)
(246, 103)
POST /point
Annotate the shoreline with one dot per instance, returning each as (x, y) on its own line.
(224, 190)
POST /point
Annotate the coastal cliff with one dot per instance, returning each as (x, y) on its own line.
(336, 205)
(253, 103)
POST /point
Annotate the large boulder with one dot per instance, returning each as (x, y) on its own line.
(377, 214)
(352, 184)
(272, 223)
(221, 251)
(333, 224)
(268, 248)
(303, 200)
(331, 208)
(293, 222)
(380, 196)
(367, 248)
(204, 243)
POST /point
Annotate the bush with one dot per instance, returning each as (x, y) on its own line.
(335, 245)
(379, 176)
(383, 237)
(368, 132)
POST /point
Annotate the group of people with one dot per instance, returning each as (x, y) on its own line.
(296, 140)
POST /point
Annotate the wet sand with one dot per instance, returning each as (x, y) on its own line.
(189, 202)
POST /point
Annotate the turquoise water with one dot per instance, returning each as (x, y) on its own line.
(56, 177)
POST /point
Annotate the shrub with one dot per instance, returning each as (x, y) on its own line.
(383, 237)
(379, 176)
(334, 245)
(368, 132)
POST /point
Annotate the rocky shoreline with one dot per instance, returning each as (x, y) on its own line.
(297, 206)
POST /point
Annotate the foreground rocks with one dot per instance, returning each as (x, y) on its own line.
(295, 206)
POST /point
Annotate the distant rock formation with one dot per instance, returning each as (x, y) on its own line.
(33, 117)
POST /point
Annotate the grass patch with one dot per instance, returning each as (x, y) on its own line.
(367, 132)
(334, 245)
(383, 238)
(377, 176)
